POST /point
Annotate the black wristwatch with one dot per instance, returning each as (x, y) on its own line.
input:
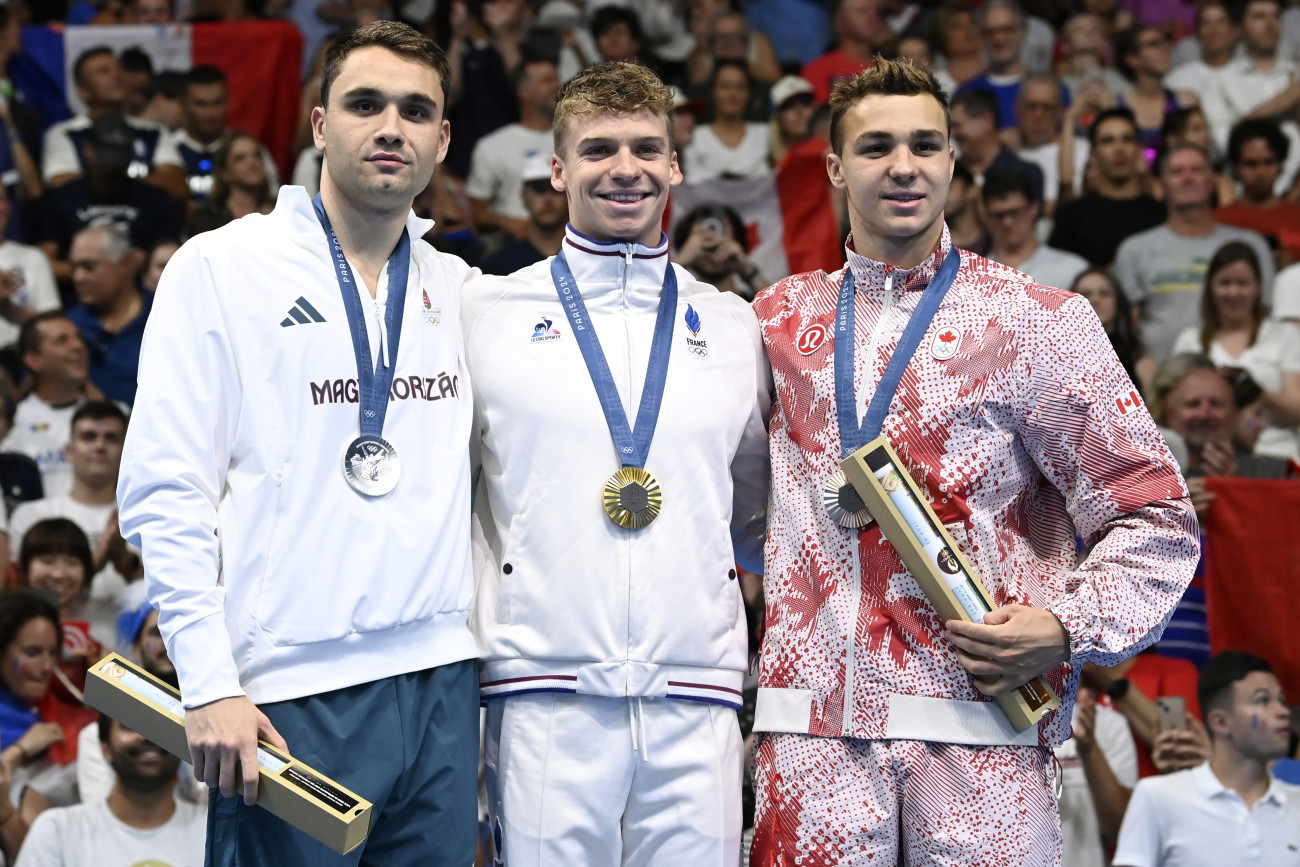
(1118, 689)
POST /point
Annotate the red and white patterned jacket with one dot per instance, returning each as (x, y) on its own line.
(1029, 433)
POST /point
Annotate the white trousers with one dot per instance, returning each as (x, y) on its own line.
(584, 781)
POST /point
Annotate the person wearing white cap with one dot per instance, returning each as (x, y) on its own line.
(792, 111)
(548, 211)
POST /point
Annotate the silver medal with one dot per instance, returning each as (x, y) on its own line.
(371, 466)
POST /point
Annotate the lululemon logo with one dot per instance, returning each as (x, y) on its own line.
(810, 339)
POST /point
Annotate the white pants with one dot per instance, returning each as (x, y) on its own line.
(584, 781)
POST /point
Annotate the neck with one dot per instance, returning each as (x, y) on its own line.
(1219, 58)
(546, 240)
(1148, 85)
(1248, 777)
(241, 202)
(93, 493)
(1269, 201)
(1015, 67)
(367, 235)
(531, 118)
(140, 810)
(905, 253)
(1240, 325)
(95, 110)
(1127, 188)
(1265, 60)
(1197, 220)
(57, 392)
(651, 238)
(729, 123)
(980, 155)
(120, 310)
(1015, 254)
(200, 138)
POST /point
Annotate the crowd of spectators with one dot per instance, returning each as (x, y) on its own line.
(1143, 154)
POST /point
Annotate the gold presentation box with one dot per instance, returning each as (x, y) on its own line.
(312, 803)
(946, 577)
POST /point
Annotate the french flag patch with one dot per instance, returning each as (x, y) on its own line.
(1128, 403)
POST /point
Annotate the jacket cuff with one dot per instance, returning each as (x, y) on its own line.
(1078, 615)
(204, 665)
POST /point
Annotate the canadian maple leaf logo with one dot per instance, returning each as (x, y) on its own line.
(947, 337)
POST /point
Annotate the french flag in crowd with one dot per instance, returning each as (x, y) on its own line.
(261, 60)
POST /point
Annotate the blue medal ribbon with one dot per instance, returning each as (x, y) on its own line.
(853, 435)
(633, 446)
(373, 380)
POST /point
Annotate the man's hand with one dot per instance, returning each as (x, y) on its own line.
(1014, 644)
(1179, 749)
(1084, 725)
(223, 739)
(1200, 495)
(1218, 458)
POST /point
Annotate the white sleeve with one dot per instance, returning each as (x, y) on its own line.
(1126, 272)
(482, 181)
(306, 171)
(165, 153)
(42, 292)
(95, 777)
(751, 465)
(1290, 360)
(1139, 835)
(60, 156)
(174, 471)
(1214, 103)
(41, 847)
(1116, 742)
(1189, 340)
(19, 523)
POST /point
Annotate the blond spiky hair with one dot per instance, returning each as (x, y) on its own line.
(613, 88)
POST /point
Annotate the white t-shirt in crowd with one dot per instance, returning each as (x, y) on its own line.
(89, 835)
(1080, 832)
(307, 169)
(41, 431)
(497, 165)
(1048, 158)
(34, 286)
(109, 592)
(1189, 819)
(1276, 350)
(1052, 267)
(710, 159)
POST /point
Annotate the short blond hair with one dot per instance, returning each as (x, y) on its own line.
(612, 88)
(885, 78)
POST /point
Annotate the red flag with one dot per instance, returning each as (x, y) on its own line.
(1252, 570)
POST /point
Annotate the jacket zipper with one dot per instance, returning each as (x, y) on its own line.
(855, 586)
(627, 343)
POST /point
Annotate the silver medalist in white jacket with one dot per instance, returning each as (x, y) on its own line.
(566, 600)
(274, 578)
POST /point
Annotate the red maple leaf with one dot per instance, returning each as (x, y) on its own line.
(947, 337)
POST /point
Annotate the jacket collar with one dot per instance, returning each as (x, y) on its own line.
(869, 275)
(601, 265)
(295, 207)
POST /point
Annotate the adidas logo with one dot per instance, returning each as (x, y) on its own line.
(301, 313)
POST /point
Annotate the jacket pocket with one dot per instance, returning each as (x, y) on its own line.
(509, 569)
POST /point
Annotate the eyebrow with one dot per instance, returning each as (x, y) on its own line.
(915, 135)
(609, 139)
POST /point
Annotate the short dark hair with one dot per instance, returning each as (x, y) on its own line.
(169, 83)
(98, 410)
(607, 18)
(55, 537)
(885, 78)
(1262, 128)
(29, 335)
(979, 102)
(521, 71)
(1214, 688)
(1238, 10)
(1004, 182)
(136, 60)
(401, 39)
(79, 65)
(1119, 112)
(201, 76)
(961, 173)
(18, 608)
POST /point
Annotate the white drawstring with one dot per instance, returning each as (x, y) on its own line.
(636, 724)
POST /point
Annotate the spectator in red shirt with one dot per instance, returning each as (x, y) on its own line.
(860, 32)
(1257, 150)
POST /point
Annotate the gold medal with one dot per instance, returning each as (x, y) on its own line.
(844, 504)
(632, 498)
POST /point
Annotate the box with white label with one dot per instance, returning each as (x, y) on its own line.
(928, 550)
(309, 801)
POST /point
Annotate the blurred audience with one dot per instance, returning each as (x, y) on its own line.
(112, 310)
(548, 212)
(1098, 772)
(729, 146)
(1010, 212)
(975, 124)
(1260, 355)
(792, 114)
(1209, 49)
(1143, 55)
(240, 186)
(27, 284)
(710, 243)
(1002, 36)
(1111, 306)
(860, 33)
(1257, 150)
(1161, 269)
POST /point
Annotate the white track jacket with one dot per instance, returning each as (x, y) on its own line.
(567, 600)
(274, 578)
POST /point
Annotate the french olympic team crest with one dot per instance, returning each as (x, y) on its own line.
(811, 338)
(695, 346)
